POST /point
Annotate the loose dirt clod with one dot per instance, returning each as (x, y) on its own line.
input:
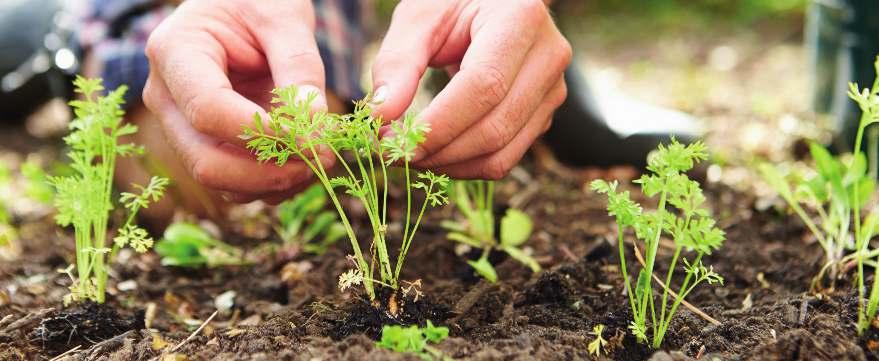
(84, 324)
(363, 317)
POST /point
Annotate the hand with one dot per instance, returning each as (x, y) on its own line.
(506, 59)
(212, 66)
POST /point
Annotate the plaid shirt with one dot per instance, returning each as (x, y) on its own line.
(115, 33)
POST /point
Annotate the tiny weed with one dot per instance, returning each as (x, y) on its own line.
(599, 343)
(414, 339)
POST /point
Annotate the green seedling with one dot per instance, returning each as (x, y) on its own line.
(829, 192)
(305, 221)
(599, 343)
(837, 193)
(37, 186)
(8, 233)
(414, 339)
(681, 216)
(294, 131)
(475, 201)
(188, 245)
(84, 199)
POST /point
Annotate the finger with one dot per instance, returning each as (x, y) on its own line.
(221, 165)
(415, 34)
(196, 78)
(488, 69)
(538, 76)
(292, 52)
(498, 164)
(271, 198)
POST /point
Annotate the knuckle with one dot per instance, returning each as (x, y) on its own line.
(559, 97)
(565, 53)
(490, 85)
(496, 168)
(195, 111)
(546, 126)
(496, 135)
(149, 96)
(280, 182)
(154, 45)
(202, 174)
(533, 11)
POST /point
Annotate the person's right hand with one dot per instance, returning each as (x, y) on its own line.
(212, 66)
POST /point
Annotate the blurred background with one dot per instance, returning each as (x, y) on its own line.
(744, 69)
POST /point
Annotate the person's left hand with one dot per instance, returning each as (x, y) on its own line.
(506, 59)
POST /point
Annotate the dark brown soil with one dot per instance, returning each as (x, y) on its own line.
(765, 308)
(81, 325)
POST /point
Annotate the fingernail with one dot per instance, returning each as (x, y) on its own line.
(380, 95)
(306, 92)
(420, 153)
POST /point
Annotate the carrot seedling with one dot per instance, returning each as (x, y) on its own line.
(681, 216)
(305, 221)
(475, 201)
(836, 193)
(188, 245)
(8, 234)
(294, 131)
(84, 198)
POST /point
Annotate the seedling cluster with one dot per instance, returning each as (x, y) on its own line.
(475, 201)
(836, 192)
(687, 223)
(85, 198)
(293, 130)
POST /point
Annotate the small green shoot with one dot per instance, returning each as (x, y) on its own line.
(188, 245)
(836, 193)
(293, 130)
(475, 201)
(414, 339)
(84, 198)
(37, 186)
(689, 225)
(305, 221)
(8, 233)
(829, 192)
(599, 343)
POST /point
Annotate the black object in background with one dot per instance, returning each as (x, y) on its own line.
(36, 61)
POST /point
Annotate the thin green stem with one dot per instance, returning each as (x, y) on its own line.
(621, 247)
(647, 296)
(684, 290)
(667, 287)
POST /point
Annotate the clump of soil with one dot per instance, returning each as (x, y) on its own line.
(394, 308)
(84, 324)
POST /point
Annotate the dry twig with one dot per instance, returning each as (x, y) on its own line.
(196, 332)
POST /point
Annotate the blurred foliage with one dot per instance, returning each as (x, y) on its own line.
(741, 11)
(662, 11)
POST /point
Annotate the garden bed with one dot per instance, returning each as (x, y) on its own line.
(292, 309)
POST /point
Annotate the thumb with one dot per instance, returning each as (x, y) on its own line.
(416, 33)
(293, 56)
